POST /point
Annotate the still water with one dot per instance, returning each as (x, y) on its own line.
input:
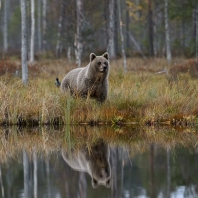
(43, 164)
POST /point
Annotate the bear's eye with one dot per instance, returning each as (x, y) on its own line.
(105, 63)
(99, 63)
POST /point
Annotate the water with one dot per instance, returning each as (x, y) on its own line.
(46, 164)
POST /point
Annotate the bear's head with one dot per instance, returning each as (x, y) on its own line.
(100, 63)
(99, 165)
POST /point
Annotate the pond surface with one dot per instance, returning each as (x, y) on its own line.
(41, 167)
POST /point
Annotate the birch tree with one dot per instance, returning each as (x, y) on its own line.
(122, 36)
(127, 26)
(32, 31)
(24, 43)
(1, 183)
(5, 26)
(111, 44)
(39, 25)
(44, 24)
(106, 14)
(167, 32)
(78, 37)
(60, 27)
(196, 18)
(35, 173)
(25, 173)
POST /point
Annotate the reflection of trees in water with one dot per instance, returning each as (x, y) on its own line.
(153, 173)
(114, 172)
(26, 173)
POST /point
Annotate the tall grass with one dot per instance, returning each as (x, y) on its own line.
(138, 96)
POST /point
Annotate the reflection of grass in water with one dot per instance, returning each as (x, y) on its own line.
(67, 118)
(49, 140)
(138, 95)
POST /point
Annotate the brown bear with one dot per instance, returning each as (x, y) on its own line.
(90, 81)
(94, 161)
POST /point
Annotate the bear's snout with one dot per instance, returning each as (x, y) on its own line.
(105, 67)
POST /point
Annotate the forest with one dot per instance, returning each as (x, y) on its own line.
(153, 50)
(65, 28)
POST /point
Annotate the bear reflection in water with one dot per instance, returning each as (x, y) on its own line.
(93, 160)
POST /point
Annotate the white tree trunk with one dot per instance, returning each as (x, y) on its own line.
(136, 44)
(44, 24)
(78, 38)
(167, 32)
(25, 172)
(168, 172)
(122, 36)
(111, 44)
(32, 31)
(5, 26)
(35, 174)
(69, 54)
(59, 30)
(24, 43)
(196, 18)
(39, 25)
(1, 183)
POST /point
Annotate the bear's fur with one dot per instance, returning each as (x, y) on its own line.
(94, 161)
(90, 81)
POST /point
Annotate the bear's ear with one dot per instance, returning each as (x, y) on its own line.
(92, 56)
(106, 55)
(108, 183)
(94, 183)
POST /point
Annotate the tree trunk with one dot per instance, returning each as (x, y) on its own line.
(24, 43)
(32, 31)
(150, 23)
(28, 26)
(48, 177)
(44, 24)
(136, 44)
(152, 172)
(39, 25)
(69, 54)
(5, 27)
(60, 25)
(25, 171)
(196, 13)
(78, 37)
(116, 28)
(35, 174)
(106, 13)
(1, 182)
(114, 172)
(122, 36)
(168, 173)
(167, 32)
(111, 44)
(127, 27)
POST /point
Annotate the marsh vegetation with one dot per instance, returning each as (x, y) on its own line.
(143, 95)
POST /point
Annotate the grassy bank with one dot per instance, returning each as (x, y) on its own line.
(138, 96)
